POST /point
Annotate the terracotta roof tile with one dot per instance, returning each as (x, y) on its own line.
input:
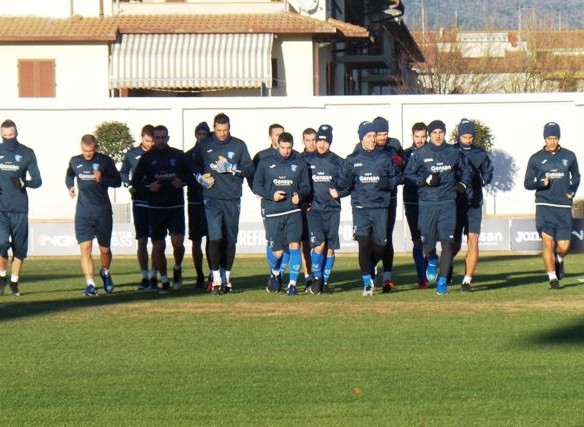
(30, 29)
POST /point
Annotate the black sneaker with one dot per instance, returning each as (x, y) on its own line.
(308, 285)
(176, 278)
(227, 288)
(316, 287)
(144, 284)
(14, 289)
(554, 284)
(559, 269)
(165, 290)
(465, 288)
(274, 284)
(326, 289)
(3, 283)
(153, 283)
(200, 282)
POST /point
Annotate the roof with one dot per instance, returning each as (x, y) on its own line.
(78, 28)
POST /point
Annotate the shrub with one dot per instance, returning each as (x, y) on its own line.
(114, 139)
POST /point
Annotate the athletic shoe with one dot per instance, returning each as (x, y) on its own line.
(108, 284)
(422, 284)
(227, 288)
(316, 288)
(153, 283)
(274, 284)
(465, 288)
(209, 286)
(144, 284)
(176, 278)
(442, 286)
(559, 269)
(554, 284)
(14, 289)
(432, 270)
(216, 290)
(388, 286)
(3, 283)
(90, 291)
(292, 291)
(165, 289)
(308, 287)
(368, 290)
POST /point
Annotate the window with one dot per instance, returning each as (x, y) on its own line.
(36, 78)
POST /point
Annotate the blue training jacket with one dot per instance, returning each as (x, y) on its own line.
(15, 161)
(325, 173)
(482, 171)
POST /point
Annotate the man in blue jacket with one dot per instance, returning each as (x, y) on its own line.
(162, 173)
(440, 172)
(553, 173)
(221, 163)
(282, 182)
(95, 173)
(410, 197)
(140, 206)
(16, 160)
(370, 176)
(324, 216)
(469, 211)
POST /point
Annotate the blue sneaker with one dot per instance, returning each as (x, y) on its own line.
(90, 291)
(441, 286)
(432, 270)
(292, 291)
(108, 284)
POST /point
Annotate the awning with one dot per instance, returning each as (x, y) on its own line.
(191, 61)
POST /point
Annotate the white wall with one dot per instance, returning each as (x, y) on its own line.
(296, 70)
(53, 129)
(81, 70)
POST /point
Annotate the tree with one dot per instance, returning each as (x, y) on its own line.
(114, 139)
(483, 137)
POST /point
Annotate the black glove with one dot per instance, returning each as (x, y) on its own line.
(433, 179)
(17, 182)
(460, 187)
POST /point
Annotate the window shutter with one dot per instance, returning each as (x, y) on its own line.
(36, 78)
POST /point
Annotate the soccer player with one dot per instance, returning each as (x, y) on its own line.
(410, 198)
(161, 173)
(221, 163)
(95, 173)
(469, 211)
(282, 182)
(309, 141)
(196, 211)
(553, 173)
(140, 206)
(394, 148)
(16, 161)
(370, 177)
(324, 216)
(439, 171)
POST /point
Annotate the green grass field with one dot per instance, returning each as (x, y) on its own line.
(509, 354)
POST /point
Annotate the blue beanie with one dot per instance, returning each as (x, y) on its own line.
(381, 125)
(325, 132)
(364, 128)
(466, 127)
(551, 129)
(436, 124)
(202, 126)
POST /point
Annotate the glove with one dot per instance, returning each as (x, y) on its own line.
(205, 180)
(17, 182)
(433, 179)
(398, 160)
(460, 187)
(223, 166)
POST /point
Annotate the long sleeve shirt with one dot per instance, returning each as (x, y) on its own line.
(325, 174)
(451, 167)
(562, 170)
(139, 196)
(276, 173)
(227, 186)
(93, 199)
(481, 169)
(162, 166)
(15, 161)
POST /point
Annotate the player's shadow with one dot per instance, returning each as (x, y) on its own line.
(568, 335)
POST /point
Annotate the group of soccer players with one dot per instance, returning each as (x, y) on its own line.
(301, 195)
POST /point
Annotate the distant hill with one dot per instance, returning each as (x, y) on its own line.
(495, 14)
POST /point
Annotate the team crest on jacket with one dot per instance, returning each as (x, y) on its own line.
(564, 162)
(293, 167)
(172, 162)
(230, 155)
(18, 158)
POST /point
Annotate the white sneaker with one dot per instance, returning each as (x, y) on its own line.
(368, 290)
